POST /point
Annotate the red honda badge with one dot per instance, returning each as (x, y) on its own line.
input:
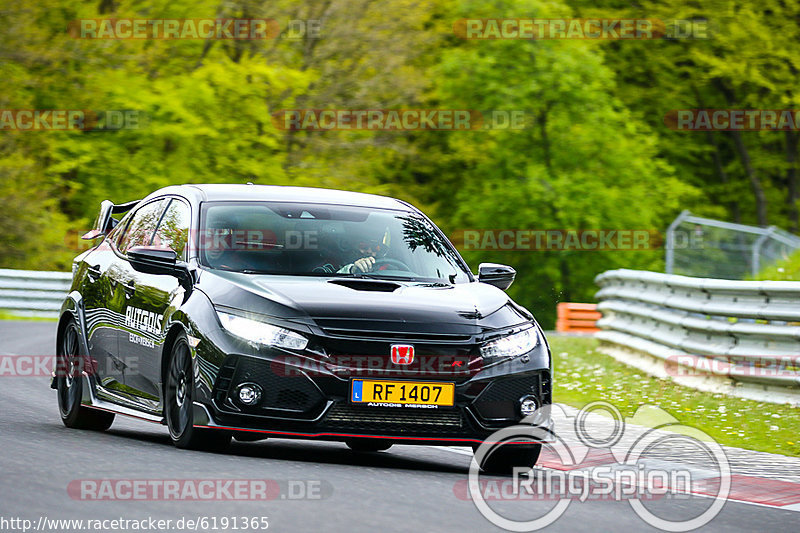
(402, 354)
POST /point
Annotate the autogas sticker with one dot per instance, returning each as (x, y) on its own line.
(144, 321)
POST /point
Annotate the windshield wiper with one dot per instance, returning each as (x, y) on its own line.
(436, 284)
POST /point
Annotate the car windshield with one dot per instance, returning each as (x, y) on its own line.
(325, 240)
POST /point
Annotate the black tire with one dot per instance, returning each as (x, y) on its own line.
(501, 460)
(368, 445)
(69, 384)
(178, 404)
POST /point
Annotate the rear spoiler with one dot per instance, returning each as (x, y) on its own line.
(104, 223)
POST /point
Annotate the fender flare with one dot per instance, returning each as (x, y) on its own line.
(73, 306)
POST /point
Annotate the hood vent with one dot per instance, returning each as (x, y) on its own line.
(366, 285)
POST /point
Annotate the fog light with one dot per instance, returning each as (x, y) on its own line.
(528, 405)
(249, 393)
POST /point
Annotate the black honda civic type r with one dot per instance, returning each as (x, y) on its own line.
(248, 312)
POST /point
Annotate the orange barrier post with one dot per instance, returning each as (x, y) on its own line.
(577, 318)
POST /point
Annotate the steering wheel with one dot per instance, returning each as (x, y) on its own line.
(390, 262)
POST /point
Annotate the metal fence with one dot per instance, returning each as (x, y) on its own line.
(33, 293)
(716, 249)
(739, 332)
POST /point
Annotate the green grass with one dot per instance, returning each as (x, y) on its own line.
(583, 375)
(5, 315)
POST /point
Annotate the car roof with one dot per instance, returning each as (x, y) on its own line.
(218, 192)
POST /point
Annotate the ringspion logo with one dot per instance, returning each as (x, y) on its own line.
(591, 465)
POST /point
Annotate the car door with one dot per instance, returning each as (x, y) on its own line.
(101, 321)
(122, 282)
(153, 295)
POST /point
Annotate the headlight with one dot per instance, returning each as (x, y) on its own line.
(261, 333)
(512, 345)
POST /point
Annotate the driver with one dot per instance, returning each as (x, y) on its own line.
(368, 249)
(219, 246)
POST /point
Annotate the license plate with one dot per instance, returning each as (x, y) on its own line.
(402, 392)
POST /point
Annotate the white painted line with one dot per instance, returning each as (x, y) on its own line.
(460, 451)
(793, 507)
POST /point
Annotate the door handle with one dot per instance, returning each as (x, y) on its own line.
(93, 271)
(129, 288)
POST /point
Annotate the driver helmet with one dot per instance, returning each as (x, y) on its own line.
(219, 238)
(373, 243)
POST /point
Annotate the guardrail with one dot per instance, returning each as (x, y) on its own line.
(738, 337)
(32, 292)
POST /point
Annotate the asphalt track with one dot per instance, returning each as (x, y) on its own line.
(404, 489)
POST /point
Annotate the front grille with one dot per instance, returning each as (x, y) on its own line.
(394, 336)
(291, 398)
(395, 420)
(500, 398)
(510, 389)
(293, 393)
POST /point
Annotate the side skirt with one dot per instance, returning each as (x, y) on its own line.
(91, 399)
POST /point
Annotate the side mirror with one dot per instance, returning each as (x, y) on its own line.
(501, 276)
(152, 260)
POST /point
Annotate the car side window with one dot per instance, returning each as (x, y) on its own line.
(173, 230)
(142, 226)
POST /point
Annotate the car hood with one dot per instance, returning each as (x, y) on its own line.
(330, 302)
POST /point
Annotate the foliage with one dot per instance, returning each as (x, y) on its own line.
(784, 270)
(595, 153)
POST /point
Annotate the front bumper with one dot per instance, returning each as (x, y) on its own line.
(299, 404)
